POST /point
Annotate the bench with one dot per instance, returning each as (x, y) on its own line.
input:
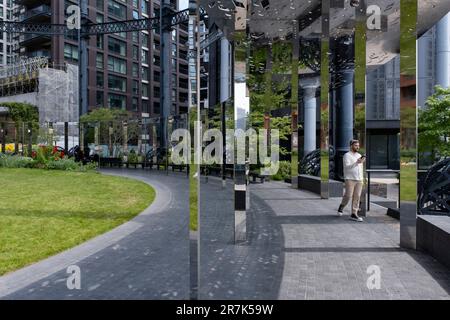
(255, 175)
(179, 167)
(111, 162)
(135, 164)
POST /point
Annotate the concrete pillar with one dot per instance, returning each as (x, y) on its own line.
(443, 52)
(344, 117)
(309, 86)
(342, 103)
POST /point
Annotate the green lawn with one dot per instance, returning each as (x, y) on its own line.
(193, 199)
(408, 183)
(45, 212)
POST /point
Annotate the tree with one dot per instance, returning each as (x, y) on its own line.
(111, 129)
(22, 113)
(434, 124)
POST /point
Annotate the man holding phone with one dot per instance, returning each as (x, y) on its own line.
(353, 176)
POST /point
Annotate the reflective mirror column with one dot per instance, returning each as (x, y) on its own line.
(325, 99)
(408, 127)
(241, 112)
(383, 93)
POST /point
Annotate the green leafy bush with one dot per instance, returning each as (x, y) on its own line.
(7, 161)
(284, 171)
(41, 162)
(63, 164)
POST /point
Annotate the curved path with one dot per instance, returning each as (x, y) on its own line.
(145, 258)
(297, 248)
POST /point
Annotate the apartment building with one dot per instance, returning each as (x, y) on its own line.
(124, 68)
(7, 43)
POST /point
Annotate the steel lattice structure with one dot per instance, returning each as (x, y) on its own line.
(170, 19)
(434, 196)
(310, 163)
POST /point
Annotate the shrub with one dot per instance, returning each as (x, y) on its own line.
(63, 164)
(284, 171)
(7, 161)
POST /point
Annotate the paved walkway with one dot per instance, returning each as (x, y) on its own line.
(297, 248)
(146, 258)
(327, 257)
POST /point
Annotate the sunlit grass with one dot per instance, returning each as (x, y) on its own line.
(45, 212)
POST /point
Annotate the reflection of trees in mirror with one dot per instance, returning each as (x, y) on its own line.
(23, 115)
(111, 123)
(433, 126)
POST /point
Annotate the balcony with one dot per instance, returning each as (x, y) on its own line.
(41, 13)
(31, 3)
(33, 39)
(38, 53)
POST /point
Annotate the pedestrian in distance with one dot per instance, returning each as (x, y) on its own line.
(354, 177)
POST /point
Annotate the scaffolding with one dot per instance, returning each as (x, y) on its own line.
(22, 76)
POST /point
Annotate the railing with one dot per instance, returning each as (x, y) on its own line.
(42, 9)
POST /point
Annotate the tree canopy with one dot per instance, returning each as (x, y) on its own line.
(22, 112)
(434, 124)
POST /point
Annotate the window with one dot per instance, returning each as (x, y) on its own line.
(174, 49)
(135, 15)
(156, 107)
(145, 73)
(144, 6)
(156, 92)
(145, 90)
(99, 5)
(135, 70)
(99, 99)
(100, 82)
(117, 83)
(144, 56)
(117, 9)
(70, 52)
(135, 52)
(135, 104)
(135, 3)
(117, 46)
(135, 87)
(135, 36)
(117, 65)
(117, 101)
(100, 42)
(156, 61)
(99, 18)
(156, 76)
(144, 40)
(145, 106)
(173, 80)
(174, 65)
(174, 35)
(174, 95)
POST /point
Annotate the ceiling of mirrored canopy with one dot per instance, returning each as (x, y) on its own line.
(274, 19)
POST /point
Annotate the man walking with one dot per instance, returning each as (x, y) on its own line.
(353, 176)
